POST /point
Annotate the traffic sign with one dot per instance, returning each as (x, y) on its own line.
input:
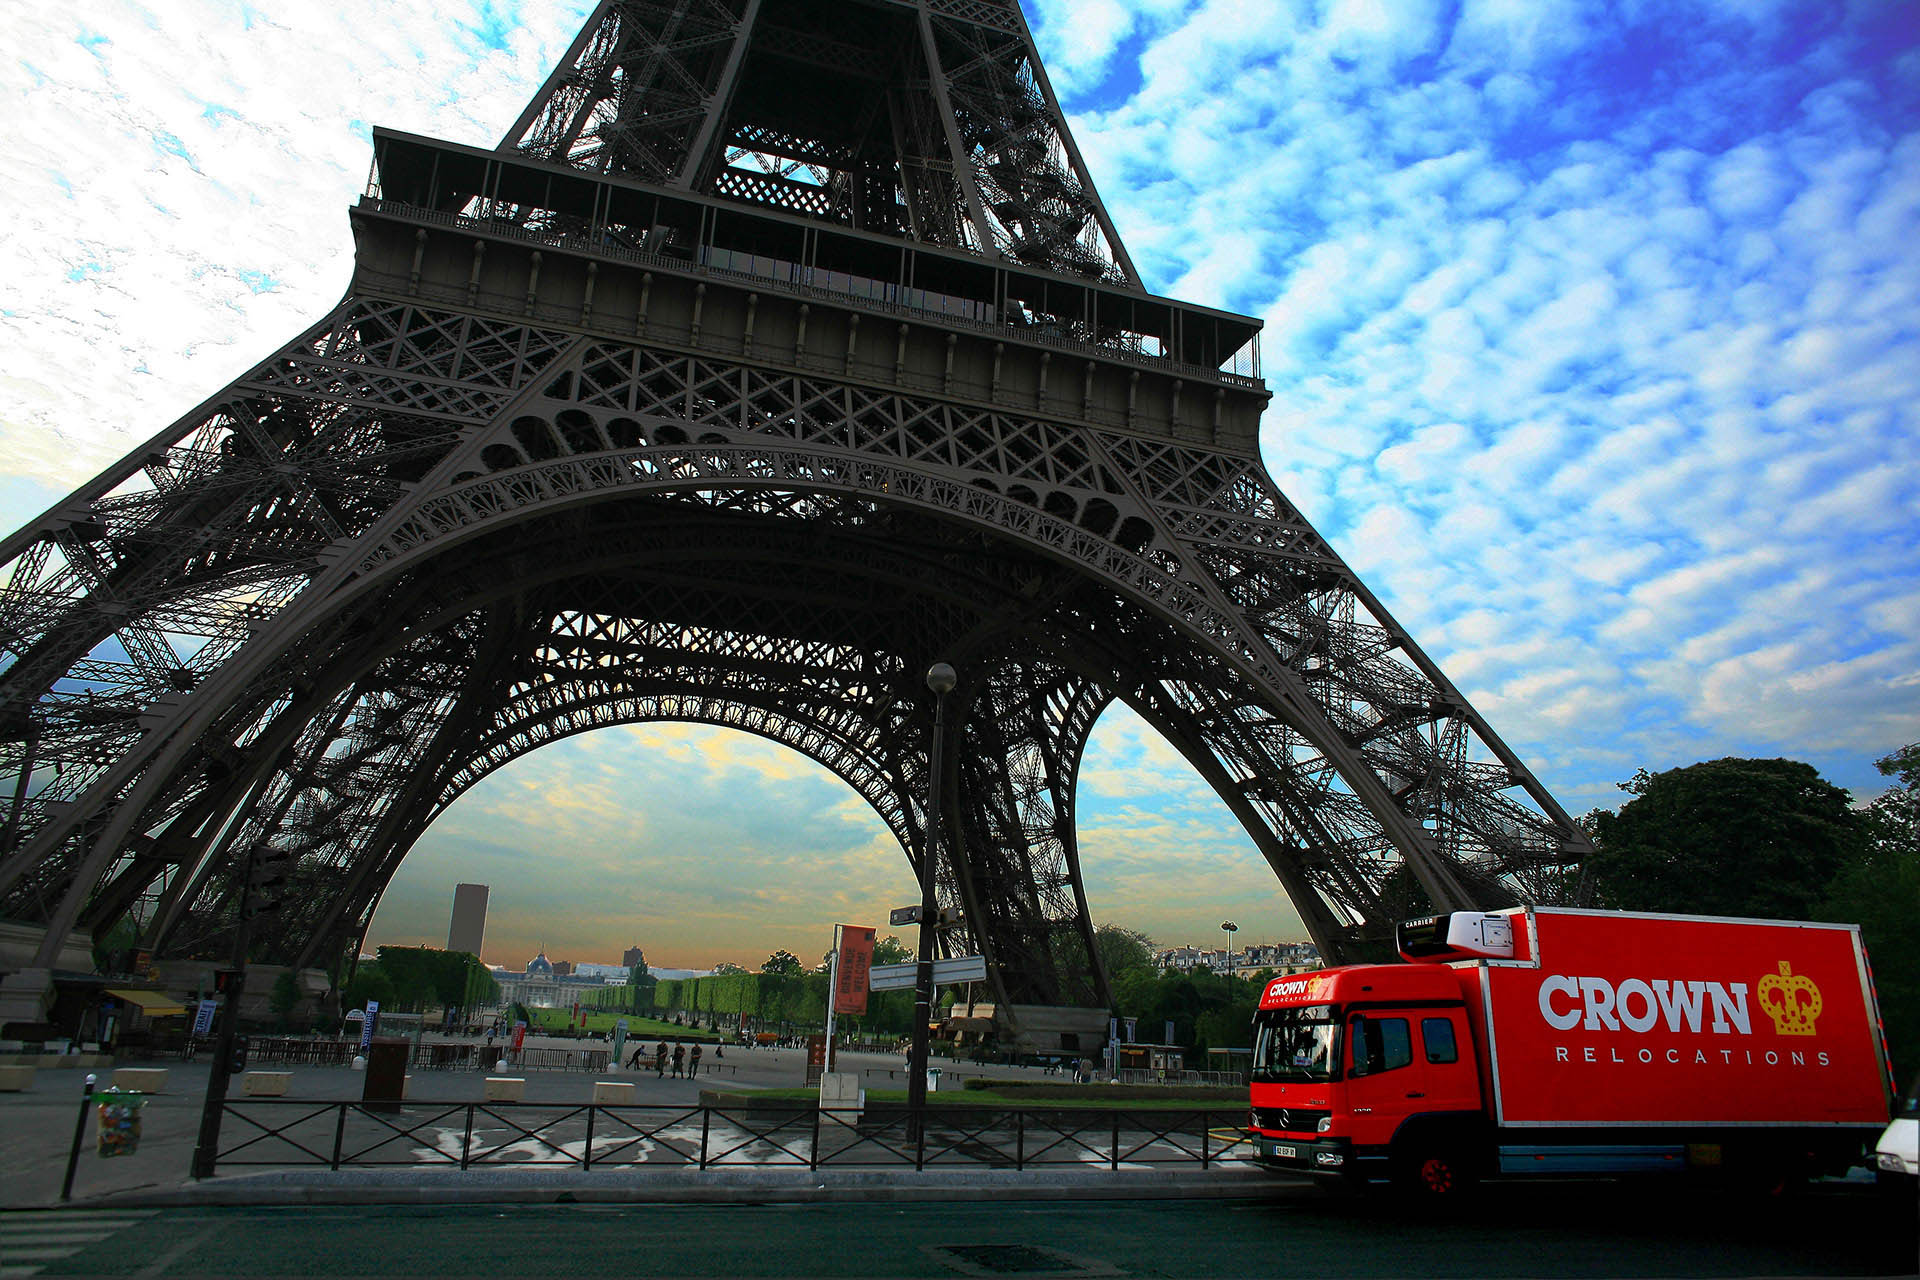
(904, 915)
(892, 977)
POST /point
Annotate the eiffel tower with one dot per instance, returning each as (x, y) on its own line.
(781, 349)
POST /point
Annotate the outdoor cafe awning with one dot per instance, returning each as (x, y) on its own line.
(155, 1004)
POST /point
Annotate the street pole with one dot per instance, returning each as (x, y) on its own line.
(206, 1148)
(1229, 928)
(79, 1134)
(940, 678)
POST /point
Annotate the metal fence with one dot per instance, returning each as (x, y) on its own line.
(1145, 1075)
(279, 1132)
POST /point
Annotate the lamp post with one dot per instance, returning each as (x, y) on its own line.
(940, 678)
(1229, 928)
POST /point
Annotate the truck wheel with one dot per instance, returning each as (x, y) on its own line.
(1436, 1173)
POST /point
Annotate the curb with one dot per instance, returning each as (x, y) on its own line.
(707, 1186)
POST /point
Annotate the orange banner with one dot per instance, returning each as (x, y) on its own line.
(850, 982)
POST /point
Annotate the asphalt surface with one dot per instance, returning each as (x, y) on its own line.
(1552, 1230)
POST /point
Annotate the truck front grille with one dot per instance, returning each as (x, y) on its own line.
(1288, 1119)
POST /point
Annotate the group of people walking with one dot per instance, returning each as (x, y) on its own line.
(682, 1061)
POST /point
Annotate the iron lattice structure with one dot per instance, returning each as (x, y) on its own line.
(782, 349)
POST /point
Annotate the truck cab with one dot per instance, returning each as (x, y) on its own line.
(1364, 1071)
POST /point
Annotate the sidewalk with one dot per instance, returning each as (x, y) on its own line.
(36, 1134)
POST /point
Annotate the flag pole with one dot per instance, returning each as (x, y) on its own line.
(833, 992)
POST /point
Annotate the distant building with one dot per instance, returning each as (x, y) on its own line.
(632, 958)
(546, 983)
(1281, 957)
(469, 926)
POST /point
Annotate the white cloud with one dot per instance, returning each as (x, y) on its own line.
(1595, 361)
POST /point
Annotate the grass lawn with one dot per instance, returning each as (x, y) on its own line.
(559, 1021)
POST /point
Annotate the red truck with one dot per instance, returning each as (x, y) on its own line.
(1546, 1040)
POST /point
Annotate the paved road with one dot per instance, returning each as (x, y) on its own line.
(1565, 1230)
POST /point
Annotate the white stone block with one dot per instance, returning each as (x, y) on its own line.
(16, 1079)
(506, 1088)
(141, 1079)
(266, 1084)
(612, 1091)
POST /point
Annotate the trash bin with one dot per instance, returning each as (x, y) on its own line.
(933, 1079)
(386, 1076)
(119, 1121)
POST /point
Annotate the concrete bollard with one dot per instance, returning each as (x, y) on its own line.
(140, 1079)
(506, 1088)
(266, 1084)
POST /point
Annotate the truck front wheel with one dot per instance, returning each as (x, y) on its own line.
(1436, 1173)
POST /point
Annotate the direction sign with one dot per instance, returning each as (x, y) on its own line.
(892, 977)
(904, 915)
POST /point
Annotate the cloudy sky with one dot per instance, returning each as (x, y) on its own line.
(1592, 331)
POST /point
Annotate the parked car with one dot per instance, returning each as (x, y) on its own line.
(1897, 1155)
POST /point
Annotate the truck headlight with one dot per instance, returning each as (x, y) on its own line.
(1326, 1125)
(1332, 1159)
(1890, 1161)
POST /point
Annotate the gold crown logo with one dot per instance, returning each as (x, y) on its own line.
(1791, 1000)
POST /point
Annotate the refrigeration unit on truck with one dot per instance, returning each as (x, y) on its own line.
(1544, 1040)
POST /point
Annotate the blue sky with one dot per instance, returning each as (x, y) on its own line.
(1591, 330)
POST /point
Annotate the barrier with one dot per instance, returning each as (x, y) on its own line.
(275, 1132)
(140, 1079)
(266, 1084)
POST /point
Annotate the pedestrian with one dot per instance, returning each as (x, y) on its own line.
(679, 1058)
(639, 1052)
(693, 1062)
(660, 1059)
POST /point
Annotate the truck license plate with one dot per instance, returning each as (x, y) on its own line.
(1284, 1152)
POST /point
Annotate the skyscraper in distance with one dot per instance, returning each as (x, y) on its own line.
(469, 926)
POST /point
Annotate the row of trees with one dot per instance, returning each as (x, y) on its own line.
(410, 979)
(1206, 1009)
(782, 992)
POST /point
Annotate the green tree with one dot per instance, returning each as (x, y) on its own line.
(1879, 894)
(369, 982)
(782, 964)
(726, 968)
(1123, 950)
(1728, 837)
(285, 996)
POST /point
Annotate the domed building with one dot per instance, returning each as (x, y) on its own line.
(537, 986)
(543, 984)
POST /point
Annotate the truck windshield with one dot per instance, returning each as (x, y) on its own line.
(1296, 1044)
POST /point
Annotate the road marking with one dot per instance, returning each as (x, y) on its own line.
(160, 1264)
(30, 1239)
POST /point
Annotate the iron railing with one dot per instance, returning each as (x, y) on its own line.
(282, 1132)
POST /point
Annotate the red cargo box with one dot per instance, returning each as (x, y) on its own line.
(1610, 1018)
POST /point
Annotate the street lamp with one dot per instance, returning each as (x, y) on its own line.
(1229, 928)
(940, 678)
